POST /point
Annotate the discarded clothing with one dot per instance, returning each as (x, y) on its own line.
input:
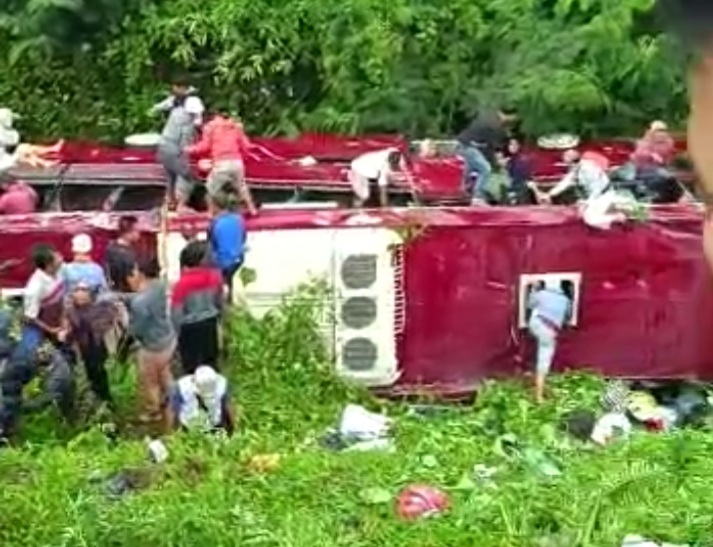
(609, 427)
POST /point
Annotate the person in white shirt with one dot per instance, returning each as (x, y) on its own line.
(588, 174)
(15, 154)
(375, 168)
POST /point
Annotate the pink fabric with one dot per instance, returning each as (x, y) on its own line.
(655, 148)
(18, 199)
(222, 139)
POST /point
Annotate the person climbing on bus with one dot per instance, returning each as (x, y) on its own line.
(17, 198)
(519, 171)
(14, 153)
(202, 401)
(224, 143)
(654, 151)
(227, 235)
(478, 145)
(600, 206)
(184, 111)
(376, 169)
(550, 308)
(197, 302)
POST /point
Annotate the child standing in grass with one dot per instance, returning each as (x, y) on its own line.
(151, 326)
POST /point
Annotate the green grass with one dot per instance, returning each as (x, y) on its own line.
(207, 495)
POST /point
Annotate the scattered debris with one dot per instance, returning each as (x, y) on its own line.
(122, 483)
(510, 446)
(375, 496)
(579, 424)
(264, 463)
(610, 427)
(359, 430)
(639, 541)
(158, 453)
(421, 501)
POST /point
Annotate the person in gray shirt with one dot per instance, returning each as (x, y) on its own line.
(151, 325)
(184, 114)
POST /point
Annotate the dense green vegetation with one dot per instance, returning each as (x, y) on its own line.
(92, 67)
(208, 493)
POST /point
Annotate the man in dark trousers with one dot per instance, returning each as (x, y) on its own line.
(478, 145)
(120, 260)
(692, 20)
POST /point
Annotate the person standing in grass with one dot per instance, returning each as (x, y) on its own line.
(121, 259)
(151, 326)
(201, 400)
(550, 308)
(43, 300)
(227, 235)
(197, 302)
(83, 269)
(90, 318)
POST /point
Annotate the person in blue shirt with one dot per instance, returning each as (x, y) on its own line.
(227, 236)
(83, 269)
(550, 308)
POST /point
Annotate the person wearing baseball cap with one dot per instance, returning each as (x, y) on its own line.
(83, 268)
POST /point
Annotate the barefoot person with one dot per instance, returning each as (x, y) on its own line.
(225, 144)
(550, 308)
(692, 20)
(184, 112)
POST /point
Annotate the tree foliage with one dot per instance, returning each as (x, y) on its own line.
(91, 67)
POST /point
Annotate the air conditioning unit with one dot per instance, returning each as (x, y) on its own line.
(366, 303)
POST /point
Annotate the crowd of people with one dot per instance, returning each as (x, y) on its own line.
(70, 309)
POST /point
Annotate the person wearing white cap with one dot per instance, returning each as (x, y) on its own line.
(550, 308)
(83, 268)
(201, 401)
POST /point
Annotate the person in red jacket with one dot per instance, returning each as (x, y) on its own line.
(225, 144)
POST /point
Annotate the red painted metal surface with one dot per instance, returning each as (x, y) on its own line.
(272, 164)
(646, 301)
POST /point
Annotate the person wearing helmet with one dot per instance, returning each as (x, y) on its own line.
(201, 401)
